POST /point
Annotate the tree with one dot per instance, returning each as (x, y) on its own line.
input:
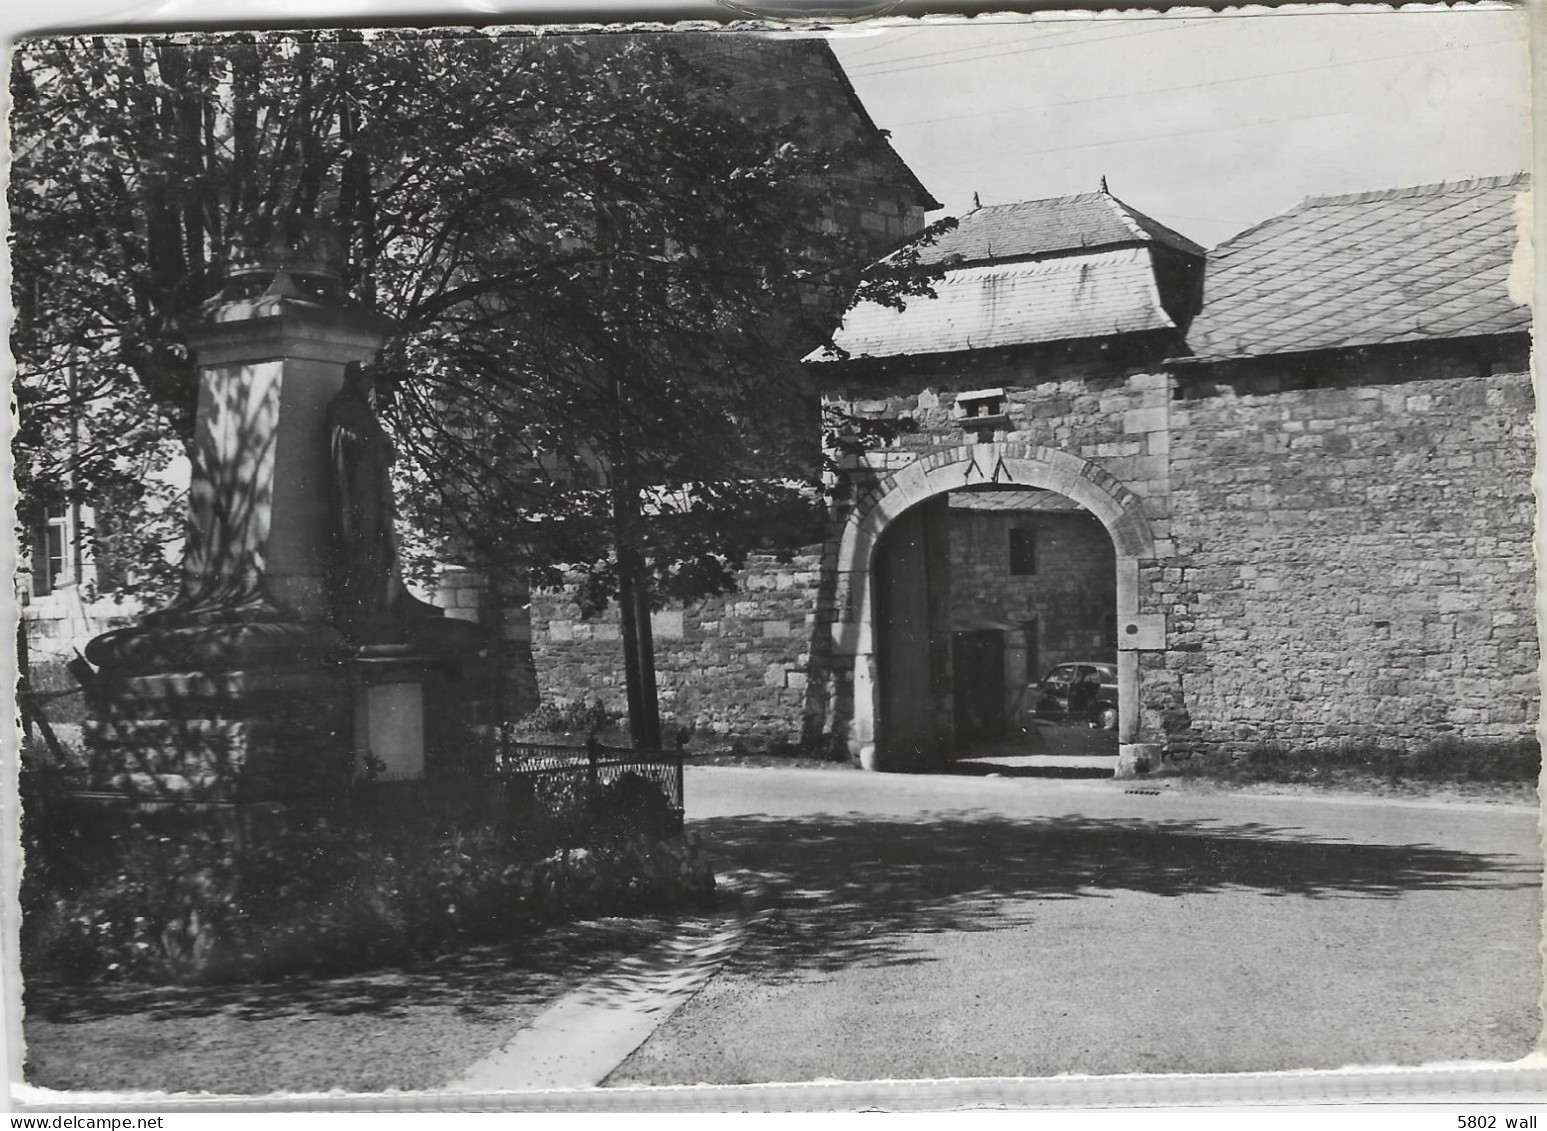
(603, 266)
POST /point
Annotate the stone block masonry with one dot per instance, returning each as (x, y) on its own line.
(1102, 410)
(1341, 553)
(1068, 600)
(1338, 556)
(1351, 562)
(756, 662)
(748, 664)
(60, 623)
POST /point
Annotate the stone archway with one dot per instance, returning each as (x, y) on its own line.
(1118, 509)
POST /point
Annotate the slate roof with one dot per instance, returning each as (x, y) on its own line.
(1031, 228)
(1094, 295)
(1039, 271)
(1403, 265)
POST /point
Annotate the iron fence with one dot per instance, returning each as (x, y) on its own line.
(594, 785)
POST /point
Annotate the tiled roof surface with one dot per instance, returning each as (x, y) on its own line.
(1403, 265)
(1046, 227)
(1074, 296)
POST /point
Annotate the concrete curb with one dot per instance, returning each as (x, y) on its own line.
(580, 1039)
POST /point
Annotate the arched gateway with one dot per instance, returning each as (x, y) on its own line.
(983, 465)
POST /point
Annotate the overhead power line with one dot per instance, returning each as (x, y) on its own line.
(762, 85)
(1192, 85)
(1041, 44)
(1181, 133)
(1033, 43)
(889, 38)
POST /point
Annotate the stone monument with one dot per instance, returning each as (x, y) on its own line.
(294, 659)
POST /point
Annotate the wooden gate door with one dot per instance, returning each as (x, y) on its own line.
(977, 665)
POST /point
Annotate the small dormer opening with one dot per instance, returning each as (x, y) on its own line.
(980, 403)
(982, 412)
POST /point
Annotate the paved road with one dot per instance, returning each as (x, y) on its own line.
(1008, 926)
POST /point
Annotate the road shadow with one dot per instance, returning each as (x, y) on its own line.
(1043, 750)
(1042, 738)
(474, 979)
(970, 767)
(851, 889)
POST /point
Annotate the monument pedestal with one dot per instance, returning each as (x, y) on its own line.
(389, 730)
(262, 683)
(410, 703)
(218, 715)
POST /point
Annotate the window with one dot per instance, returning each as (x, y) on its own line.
(981, 412)
(1033, 657)
(1023, 551)
(50, 541)
(1061, 677)
(979, 404)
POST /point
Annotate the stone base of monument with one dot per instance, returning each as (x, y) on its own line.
(400, 701)
(263, 724)
(415, 692)
(273, 712)
(389, 729)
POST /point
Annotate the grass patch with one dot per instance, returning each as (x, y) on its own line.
(1445, 760)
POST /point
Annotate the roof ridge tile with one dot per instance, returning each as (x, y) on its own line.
(1436, 188)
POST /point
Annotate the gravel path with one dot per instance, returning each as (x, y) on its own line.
(933, 927)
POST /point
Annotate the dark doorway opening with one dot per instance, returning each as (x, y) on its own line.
(912, 638)
(977, 663)
(978, 593)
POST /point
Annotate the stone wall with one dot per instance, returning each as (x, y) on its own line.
(55, 627)
(1112, 413)
(750, 663)
(1352, 561)
(506, 682)
(1071, 596)
(61, 622)
(1343, 554)
(1107, 403)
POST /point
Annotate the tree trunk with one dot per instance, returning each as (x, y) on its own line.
(645, 642)
(633, 684)
(644, 717)
(644, 714)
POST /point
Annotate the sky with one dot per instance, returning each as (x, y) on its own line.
(1209, 123)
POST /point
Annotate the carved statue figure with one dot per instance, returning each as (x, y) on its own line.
(366, 580)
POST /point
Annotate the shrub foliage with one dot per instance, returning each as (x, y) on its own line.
(179, 897)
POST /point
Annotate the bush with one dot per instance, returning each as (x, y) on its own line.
(1448, 759)
(632, 806)
(569, 717)
(1456, 759)
(174, 899)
